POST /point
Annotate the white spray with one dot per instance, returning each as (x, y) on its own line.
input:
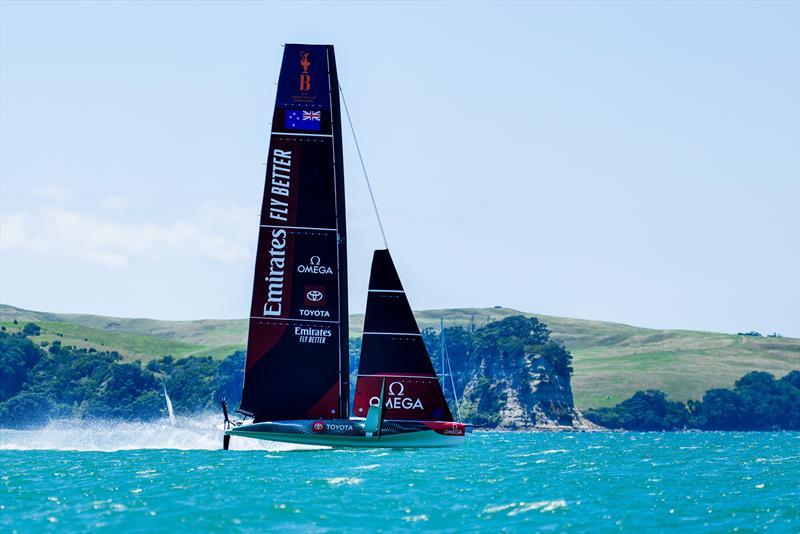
(199, 431)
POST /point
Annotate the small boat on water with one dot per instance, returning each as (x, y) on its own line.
(296, 382)
(168, 404)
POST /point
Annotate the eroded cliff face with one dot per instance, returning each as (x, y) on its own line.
(526, 394)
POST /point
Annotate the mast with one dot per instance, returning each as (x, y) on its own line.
(449, 371)
(297, 353)
(441, 345)
(341, 235)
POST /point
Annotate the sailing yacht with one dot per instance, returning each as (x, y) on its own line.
(168, 404)
(296, 381)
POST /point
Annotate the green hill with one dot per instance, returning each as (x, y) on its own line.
(611, 360)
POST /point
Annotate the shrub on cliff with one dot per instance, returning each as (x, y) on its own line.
(499, 371)
(506, 342)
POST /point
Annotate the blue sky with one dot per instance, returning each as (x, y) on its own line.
(631, 162)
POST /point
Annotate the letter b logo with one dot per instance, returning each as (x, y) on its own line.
(305, 82)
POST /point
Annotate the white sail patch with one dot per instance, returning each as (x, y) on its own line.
(314, 267)
(312, 335)
(397, 398)
(280, 184)
(275, 278)
(314, 313)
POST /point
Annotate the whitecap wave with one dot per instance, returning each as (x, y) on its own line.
(344, 481)
(516, 508)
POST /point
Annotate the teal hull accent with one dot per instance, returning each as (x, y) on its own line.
(350, 433)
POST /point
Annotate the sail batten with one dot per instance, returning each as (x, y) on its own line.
(295, 366)
(390, 334)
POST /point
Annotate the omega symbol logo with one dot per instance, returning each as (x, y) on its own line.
(314, 260)
(399, 390)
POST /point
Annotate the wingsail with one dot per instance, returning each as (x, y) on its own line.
(297, 347)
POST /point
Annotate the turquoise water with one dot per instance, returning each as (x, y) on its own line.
(519, 482)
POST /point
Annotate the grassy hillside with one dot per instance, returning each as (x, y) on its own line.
(611, 360)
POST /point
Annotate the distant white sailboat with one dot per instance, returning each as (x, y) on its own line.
(169, 406)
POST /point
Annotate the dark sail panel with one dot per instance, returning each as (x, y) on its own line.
(393, 353)
(387, 306)
(392, 348)
(383, 275)
(297, 349)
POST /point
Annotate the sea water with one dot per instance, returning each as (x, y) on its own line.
(73, 475)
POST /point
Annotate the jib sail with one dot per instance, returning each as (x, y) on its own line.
(297, 347)
(392, 349)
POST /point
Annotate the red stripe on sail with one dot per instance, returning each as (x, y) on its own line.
(263, 336)
(406, 398)
(327, 407)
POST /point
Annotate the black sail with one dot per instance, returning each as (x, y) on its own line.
(297, 346)
(392, 349)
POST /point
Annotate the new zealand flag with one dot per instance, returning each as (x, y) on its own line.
(302, 120)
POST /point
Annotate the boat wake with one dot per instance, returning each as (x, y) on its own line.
(185, 433)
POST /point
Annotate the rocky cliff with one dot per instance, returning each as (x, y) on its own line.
(537, 398)
(510, 375)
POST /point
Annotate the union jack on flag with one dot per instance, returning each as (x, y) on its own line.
(296, 119)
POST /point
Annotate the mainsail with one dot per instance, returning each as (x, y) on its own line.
(392, 349)
(297, 347)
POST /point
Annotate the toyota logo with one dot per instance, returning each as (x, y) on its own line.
(314, 295)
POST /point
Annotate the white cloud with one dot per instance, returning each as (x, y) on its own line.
(115, 202)
(217, 230)
(52, 192)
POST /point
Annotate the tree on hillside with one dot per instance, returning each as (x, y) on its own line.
(31, 329)
(720, 409)
(793, 378)
(506, 342)
(757, 402)
(18, 355)
(229, 379)
(645, 410)
(28, 409)
(769, 403)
